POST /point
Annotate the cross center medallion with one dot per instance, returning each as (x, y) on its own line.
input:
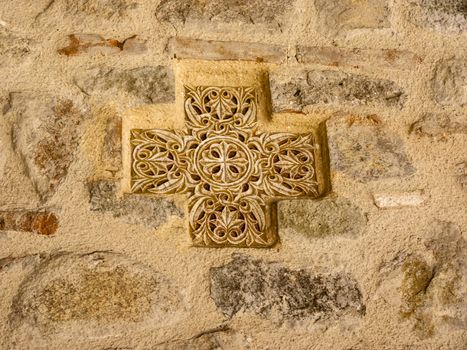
(232, 172)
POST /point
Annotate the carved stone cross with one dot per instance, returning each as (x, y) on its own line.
(232, 172)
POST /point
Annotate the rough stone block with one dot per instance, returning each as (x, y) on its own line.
(26, 262)
(417, 275)
(46, 134)
(23, 11)
(336, 57)
(339, 16)
(134, 45)
(96, 44)
(399, 200)
(78, 11)
(5, 102)
(96, 295)
(429, 292)
(450, 82)
(322, 218)
(184, 48)
(40, 222)
(442, 15)
(279, 293)
(268, 12)
(111, 155)
(294, 91)
(363, 149)
(440, 125)
(17, 189)
(134, 209)
(144, 84)
(13, 46)
(90, 43)
(221, 338)
(461, 174)
(443, 291)
(107, 9)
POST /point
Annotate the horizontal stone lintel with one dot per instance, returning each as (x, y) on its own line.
(185, 48)
(80, 43)
(356, 57)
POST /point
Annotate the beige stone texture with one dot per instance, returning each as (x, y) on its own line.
(398, 200)
(110, 279)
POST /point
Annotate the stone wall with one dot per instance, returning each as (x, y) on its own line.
(379, 262)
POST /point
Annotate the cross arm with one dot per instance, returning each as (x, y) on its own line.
(161, 162)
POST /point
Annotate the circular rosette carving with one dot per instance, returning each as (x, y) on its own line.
(161, 162)
(225, 219)
(223, 161)
(219, 109)
(287, 164)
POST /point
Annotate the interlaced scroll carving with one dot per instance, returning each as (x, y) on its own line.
(231, 171)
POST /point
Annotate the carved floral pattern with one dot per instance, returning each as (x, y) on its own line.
(231, 171)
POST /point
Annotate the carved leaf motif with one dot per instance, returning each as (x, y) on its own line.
(290, 165)
(222, 218)
(161, 162)
(220, 109)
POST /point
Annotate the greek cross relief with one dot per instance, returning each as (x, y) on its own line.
(230, 170)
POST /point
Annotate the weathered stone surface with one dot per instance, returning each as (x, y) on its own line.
(322, 218)
(43, 223)
(111, 156)
(221, 338)
(449, 248)
(80, 10)
(100, 8)
(416, 278)
(399, 200)
(96, 44)
(183, 48)
(440, 125)
(337, 16)
(145, 84)
(46, 134)
(442, 15)
(447, 243)
(92, 295)
(430, 295)
(134, 209)
(90, 43)
(134, 45)
(27, 262)
(336, 57)
(17, 189)
(279, 293)
(294, 91)
(13, 46)
(461, 173)
(363, 149)
(441, 300)
(5, 102)
(267, 12)
(28, 13)
(450, 82)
